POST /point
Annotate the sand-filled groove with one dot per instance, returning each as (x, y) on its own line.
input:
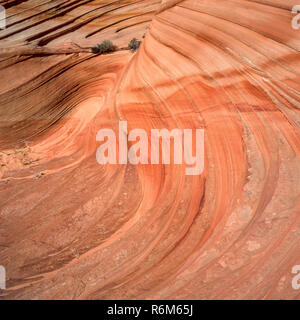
(73, 229)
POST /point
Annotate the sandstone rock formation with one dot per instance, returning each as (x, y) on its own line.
(73, 229)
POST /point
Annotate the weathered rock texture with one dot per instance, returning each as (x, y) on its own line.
(70, 228)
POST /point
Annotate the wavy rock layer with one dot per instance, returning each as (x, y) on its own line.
(70, 228)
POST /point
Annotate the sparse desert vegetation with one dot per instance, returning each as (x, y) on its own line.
(134, 44)
(106, 46)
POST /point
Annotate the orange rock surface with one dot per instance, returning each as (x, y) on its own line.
(73, 229)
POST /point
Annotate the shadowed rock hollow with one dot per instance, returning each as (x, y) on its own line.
(73, 229)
